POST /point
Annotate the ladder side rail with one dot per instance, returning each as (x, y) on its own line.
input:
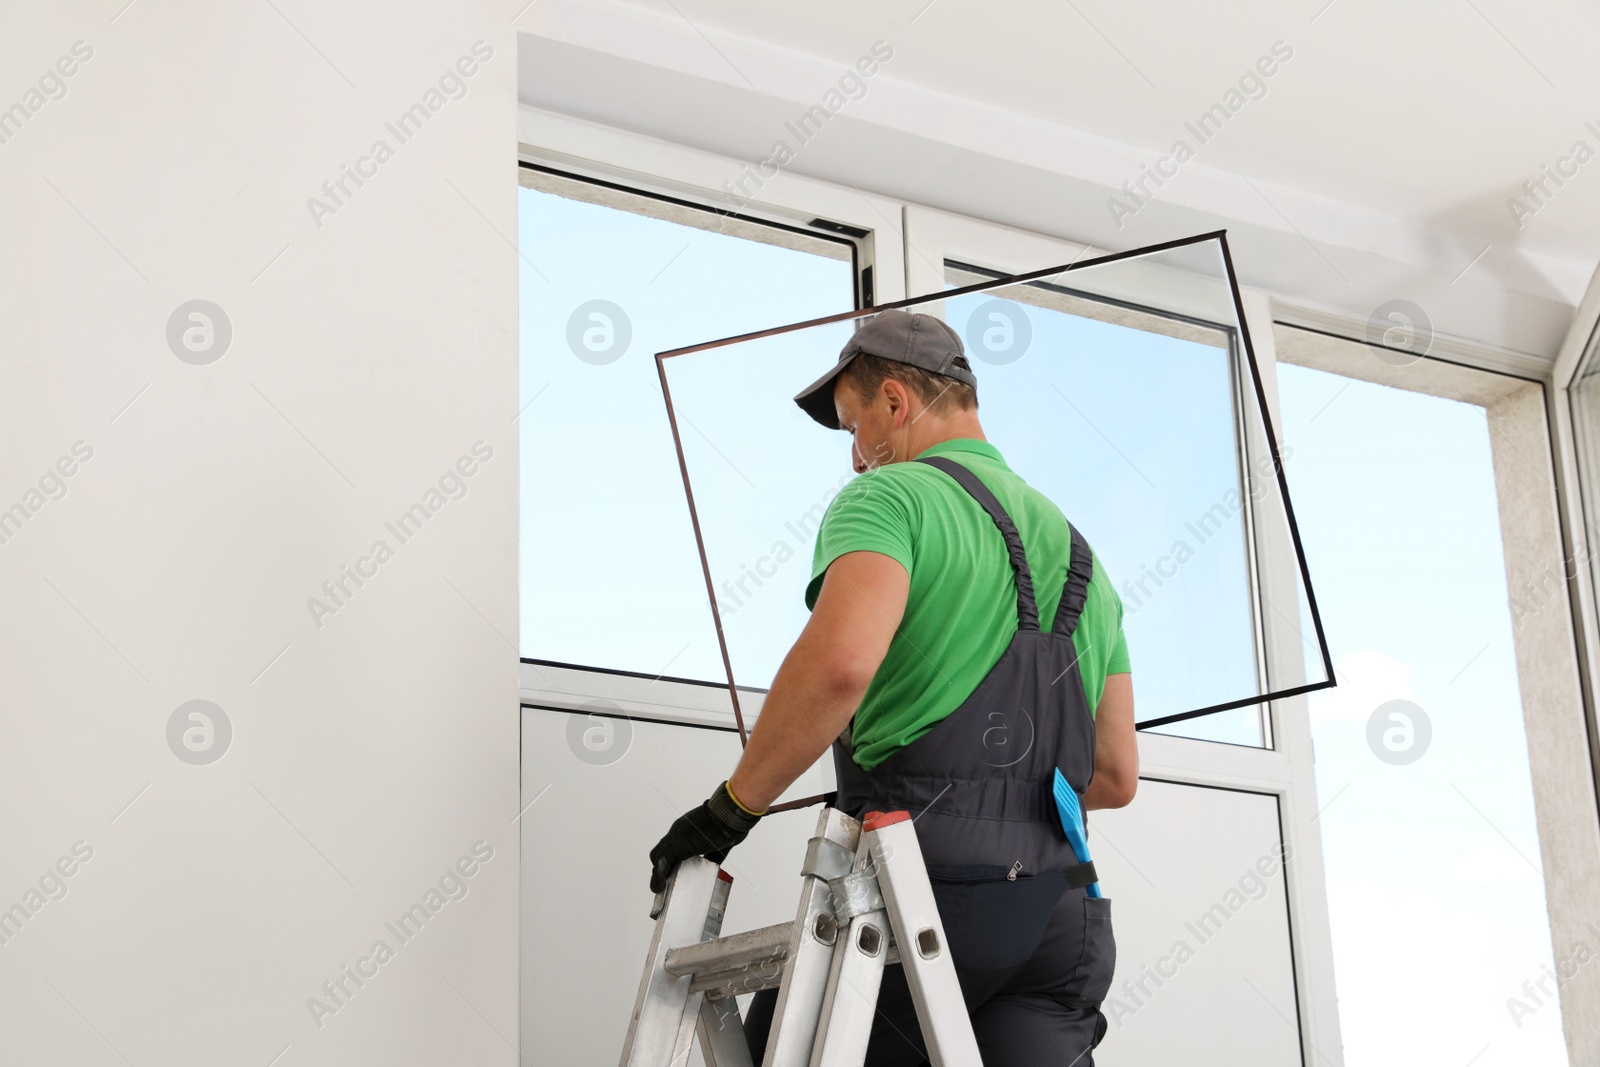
(856, 971)
(721, 1033)
(664, 1011)
(696, 999)
(805, 972)
(924, 951)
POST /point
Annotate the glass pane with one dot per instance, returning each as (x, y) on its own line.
(1142, 454)
(1436, 900)
(610, 575)
(1120, 390)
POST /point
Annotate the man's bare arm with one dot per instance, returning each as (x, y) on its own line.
(824, 676)
(1116, 747)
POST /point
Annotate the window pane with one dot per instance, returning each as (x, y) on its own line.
(1436, 901)
(1585, 395)
(610, 574)
(1143, 456)
(1134, 421)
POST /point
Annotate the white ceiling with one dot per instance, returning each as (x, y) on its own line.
(1378, 163)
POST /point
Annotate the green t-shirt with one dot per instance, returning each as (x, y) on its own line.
(961, 609)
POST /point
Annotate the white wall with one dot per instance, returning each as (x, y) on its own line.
(368, 353)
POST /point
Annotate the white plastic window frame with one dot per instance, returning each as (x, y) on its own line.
(1577, 869)
(1284, 770)
(1572, 479)
(649, 166)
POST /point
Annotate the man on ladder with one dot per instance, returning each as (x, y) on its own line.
(964, 645)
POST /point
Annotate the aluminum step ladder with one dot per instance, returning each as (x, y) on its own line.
(865, 903)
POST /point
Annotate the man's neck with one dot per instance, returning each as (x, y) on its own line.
(952, 428)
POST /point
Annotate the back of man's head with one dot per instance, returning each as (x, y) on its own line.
(942, 394)
(919, 350)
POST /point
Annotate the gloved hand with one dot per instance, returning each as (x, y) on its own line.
(709, 830)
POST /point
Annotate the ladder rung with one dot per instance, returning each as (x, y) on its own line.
(752, 978)
(756, 975)
(733, 951)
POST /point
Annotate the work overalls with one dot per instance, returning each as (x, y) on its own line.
(1033, 951)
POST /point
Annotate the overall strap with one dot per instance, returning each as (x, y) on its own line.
(1076, 591)
(1027, 610)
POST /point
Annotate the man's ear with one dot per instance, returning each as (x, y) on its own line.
(899, 401)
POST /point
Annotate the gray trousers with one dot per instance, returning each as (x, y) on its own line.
(1042, 1009)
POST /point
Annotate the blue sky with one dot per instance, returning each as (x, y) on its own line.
(610, 576)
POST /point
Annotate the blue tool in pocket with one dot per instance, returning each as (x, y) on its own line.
(1071, 813)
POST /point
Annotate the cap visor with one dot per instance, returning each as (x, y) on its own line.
(816, 399)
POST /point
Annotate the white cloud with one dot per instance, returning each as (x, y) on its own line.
(1490, 865)
(1422, 981)
(1367, 678)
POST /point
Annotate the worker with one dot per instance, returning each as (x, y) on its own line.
(963, 644)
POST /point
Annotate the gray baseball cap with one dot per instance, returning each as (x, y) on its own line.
(919, 340)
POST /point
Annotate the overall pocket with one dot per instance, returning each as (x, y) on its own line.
(990, 922)
(1092, 980)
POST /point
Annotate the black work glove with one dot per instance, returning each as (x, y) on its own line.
(709, 830)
